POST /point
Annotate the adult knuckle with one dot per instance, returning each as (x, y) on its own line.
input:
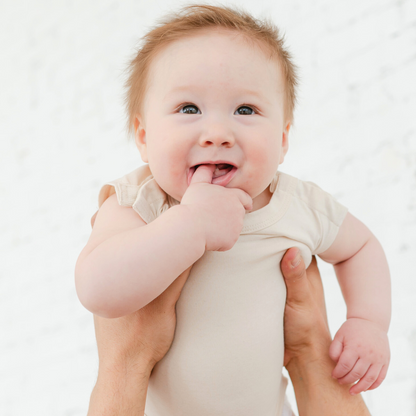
(298, 273)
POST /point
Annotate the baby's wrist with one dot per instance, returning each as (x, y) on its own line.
(196, 224)
(377, 323)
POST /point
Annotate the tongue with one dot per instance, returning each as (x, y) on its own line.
(221, 170)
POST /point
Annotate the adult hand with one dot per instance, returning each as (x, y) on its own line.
(128, 349)
(307, 341)
(147, 333)
(305, 319)
(130, 346)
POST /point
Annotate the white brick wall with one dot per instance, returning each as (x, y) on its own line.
(61, 137)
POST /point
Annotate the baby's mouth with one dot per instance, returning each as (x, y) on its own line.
(221, 169)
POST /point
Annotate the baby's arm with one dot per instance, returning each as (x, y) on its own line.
(361, 346)
(126, 263)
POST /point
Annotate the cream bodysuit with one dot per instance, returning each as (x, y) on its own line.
(226, 358)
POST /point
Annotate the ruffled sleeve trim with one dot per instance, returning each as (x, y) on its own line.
(139, 190)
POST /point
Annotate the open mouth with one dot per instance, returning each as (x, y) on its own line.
(222, 175)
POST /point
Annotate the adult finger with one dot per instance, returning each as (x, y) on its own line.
(294, 273)
(203, 174)
(315, 281)
(367, 381)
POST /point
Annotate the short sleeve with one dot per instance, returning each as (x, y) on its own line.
(138, 190)
(320, 216)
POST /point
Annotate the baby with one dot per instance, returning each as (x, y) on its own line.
(210, 99)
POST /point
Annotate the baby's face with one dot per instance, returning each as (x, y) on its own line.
(214, 98)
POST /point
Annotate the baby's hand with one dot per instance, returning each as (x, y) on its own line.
(219, 210)
(361, 350)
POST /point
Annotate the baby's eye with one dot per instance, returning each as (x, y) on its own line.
(245, 110)
(189, 109)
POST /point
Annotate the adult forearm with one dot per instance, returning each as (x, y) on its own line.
(317, 393)
(120, 391)
(365, 282)
(130, 269)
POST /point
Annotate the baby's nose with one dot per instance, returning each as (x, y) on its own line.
(218, 135)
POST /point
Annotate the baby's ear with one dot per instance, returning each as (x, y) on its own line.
(285, 142)
(140, 138)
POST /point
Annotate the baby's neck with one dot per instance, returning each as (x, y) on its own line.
(261, 200)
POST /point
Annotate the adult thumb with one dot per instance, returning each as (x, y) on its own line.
(203, 174)
(294, 273)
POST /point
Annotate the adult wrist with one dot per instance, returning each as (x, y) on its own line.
(310, 345)
(311, 354)
(120, 390)
(138, 365)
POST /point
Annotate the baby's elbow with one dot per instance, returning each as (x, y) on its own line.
(86, 296)
(95, 305)
(91, 298)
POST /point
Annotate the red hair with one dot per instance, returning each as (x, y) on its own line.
(186, 22)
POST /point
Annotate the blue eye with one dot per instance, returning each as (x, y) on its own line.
(245, 111)
(190, 109)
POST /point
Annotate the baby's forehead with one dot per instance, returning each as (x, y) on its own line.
(233, 36)
(197, 47)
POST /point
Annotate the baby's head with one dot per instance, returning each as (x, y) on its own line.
(212, 84)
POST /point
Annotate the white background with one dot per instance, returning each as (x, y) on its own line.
(62, 136)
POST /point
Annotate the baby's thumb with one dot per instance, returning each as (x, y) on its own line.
(203, 174)
(335, 349)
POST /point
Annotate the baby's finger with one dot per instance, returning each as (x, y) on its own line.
(335, 349)
(360, 368)
(345, 364)
(380, 378)
(368, 380)
(244, 198)
(202, 174)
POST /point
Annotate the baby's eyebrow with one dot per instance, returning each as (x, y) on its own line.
(193, 88)
(182, 88)
(256, 94)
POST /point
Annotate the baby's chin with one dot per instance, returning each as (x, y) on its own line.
(175, 192)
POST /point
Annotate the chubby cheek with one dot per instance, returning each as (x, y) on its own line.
(264, 160)
(167, 164)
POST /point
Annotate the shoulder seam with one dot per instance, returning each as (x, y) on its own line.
(311, 206)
